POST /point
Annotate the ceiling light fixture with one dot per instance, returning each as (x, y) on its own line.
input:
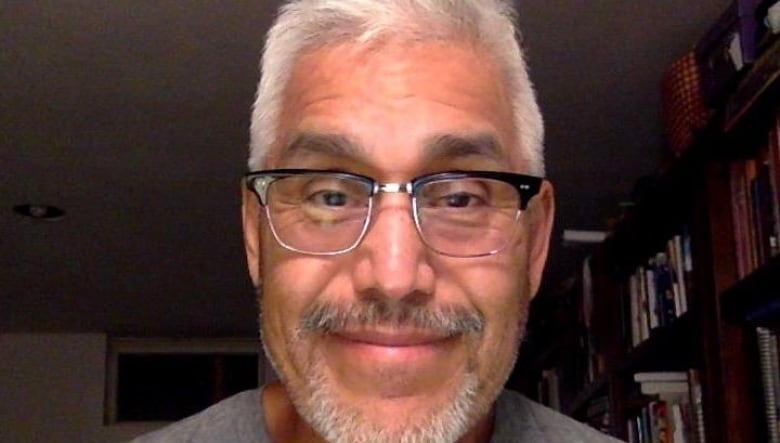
(39, 212)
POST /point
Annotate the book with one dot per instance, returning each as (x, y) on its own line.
(768, 355)
(670, 414)
(664, 279)
(661, 376)
(755, 206)
(766, 236)
(773, 159)
(687, 261)
(660, 418)
(658, 292)
(697, 406)
(653, 307)
(635, 310)
(644, 305)
(664, 387)
(662, 421)
(675, 251)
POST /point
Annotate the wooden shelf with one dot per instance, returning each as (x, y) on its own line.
(671, 347)
(755, 300)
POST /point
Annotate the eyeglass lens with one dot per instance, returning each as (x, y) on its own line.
(318, 213)
(322, 213)
(467, 216)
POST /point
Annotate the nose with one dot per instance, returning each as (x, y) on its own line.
(393, 262)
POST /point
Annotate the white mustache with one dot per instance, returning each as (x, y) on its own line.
(329, 318)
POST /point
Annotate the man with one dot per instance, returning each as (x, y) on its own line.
(396, 229)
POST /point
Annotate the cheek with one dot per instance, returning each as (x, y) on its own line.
(292, 282)
(499, 290)
(290, 285)
(497, 285)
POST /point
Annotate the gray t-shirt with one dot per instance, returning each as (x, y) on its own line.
(239, 419)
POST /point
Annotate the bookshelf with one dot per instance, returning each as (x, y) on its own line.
(717, 194)
(755, 300)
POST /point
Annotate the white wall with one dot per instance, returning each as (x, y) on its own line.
(52, 390)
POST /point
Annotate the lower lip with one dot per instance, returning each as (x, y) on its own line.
(392, 372)
(394, 353)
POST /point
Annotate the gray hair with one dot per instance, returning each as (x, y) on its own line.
(306, 25)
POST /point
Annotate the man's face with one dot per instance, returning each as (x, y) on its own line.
(359, 377)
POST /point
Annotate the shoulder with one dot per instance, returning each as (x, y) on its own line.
(237, 419)
(520, 419)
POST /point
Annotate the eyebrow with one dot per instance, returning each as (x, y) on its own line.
(444, 146)
(310, 143)
(453, 146)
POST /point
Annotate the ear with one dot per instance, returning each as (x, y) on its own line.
(251, 213)
(541, 212)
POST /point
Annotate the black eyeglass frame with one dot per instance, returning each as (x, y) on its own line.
(258, 182)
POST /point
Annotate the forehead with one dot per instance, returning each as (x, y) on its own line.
(390, 103)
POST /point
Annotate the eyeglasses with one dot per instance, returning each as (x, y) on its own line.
(457, 214)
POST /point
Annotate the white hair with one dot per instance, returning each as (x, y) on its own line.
(305, 25)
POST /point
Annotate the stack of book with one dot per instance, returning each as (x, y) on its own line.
(673, 412)
(659, 291)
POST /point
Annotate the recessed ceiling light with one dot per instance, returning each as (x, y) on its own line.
(40, 212)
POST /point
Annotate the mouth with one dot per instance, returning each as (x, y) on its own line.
(394, 337)
(391, 347)
(394, 362)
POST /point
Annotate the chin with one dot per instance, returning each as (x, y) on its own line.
(442, 417)
(426, 418)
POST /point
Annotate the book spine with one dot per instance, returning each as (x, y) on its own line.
(664, 279)
(767, 341)
(634, 303)
(739, 216)
(644, 305)
(653, 307)
(697, 405)
(681, 300)
(688, 263)
(676, 424)
(752, 242)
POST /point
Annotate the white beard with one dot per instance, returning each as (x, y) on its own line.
(342, 423)
(336, 421)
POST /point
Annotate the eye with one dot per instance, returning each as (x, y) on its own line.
(462, 193)
(459, 200)
(334, 193)
(329, 198)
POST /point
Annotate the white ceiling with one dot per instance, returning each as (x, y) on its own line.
(132, 115)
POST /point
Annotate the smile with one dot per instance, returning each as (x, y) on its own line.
(394, 345)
